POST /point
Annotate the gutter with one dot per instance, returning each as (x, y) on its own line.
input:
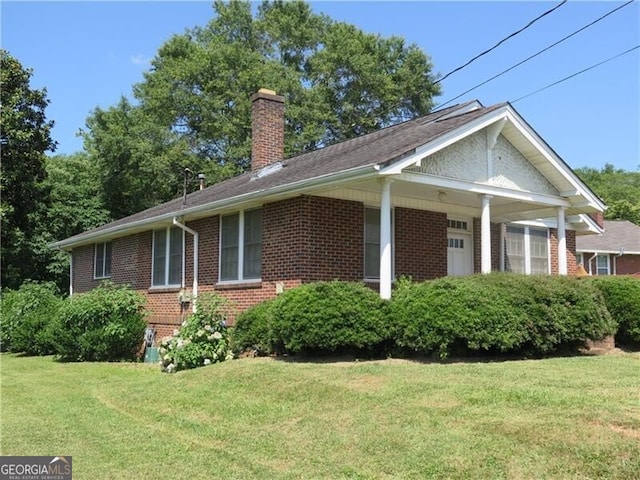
(195, 261)
(352, 174)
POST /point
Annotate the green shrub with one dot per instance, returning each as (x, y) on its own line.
(497, 313)
(203, 338)
(622, 298)
(105, 324)
(326, 317)
(252, 330)
(26, 315)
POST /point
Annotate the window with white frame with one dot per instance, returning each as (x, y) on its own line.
(241, 246)
(372, 242)
(526, 250)
(102, 260)
(580, 259)
(602, 264)
(168, 245)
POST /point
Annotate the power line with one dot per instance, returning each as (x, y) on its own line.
(537, 53)
(577, 73)
(501, 42)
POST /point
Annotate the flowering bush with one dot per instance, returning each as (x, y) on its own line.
(203, 338)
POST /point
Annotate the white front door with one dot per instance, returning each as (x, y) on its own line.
(459, 258)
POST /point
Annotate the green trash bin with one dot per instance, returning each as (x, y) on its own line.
(151, 355)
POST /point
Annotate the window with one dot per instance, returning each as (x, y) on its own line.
(514, 250)
(602, 263)
(102, 262)
(458, 224)
(241, 246)
(168, 247)
(539, 251)
(456, 242)
(526, 250)
(372, 242)
(580, 259)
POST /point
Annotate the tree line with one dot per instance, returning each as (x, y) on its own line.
(192, 110)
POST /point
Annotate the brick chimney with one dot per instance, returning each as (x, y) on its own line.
(267, 129)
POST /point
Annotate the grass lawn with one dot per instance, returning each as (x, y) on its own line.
(260, 418)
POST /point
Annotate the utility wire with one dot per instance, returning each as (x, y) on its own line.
(501, 42)
(537, 53)
(577, 73)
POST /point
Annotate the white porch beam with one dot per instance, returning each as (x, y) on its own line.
(562, 242)
(485, 235)
(385, 239)
(481, 189)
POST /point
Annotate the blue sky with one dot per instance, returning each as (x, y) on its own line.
(88, 54)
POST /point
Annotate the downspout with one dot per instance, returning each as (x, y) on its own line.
(195, 260)
(70, 269)
(70, 273)
(590, 260)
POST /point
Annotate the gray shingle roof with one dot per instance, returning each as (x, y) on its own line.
(371, 149)
(617, 234)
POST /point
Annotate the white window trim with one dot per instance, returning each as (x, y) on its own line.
(393, 246)
(166, 261)
(104, 258)
(527, 248)
(240, 280)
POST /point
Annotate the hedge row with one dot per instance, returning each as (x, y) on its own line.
(105, 324)
(496, 313)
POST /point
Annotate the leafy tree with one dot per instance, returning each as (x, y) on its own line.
(620, 190)
(75, 205)
(25, 137)
(193, 108)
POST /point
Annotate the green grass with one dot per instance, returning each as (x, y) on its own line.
(259, 418)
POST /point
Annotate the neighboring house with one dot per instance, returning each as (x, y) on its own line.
(462, 190)
(616, 251)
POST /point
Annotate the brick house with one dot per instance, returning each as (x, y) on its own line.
(616, 251)
(462, 190)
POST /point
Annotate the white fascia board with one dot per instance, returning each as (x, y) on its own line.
(592, 225)
(607, 251)
(454, 184)
(444, 141)
(532, 137)
(328, 180)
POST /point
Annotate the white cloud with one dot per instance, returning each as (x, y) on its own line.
(140, 59)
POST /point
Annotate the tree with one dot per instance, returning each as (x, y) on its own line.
(76, 205)
(618, 188)
(25, 137)
(193, 107)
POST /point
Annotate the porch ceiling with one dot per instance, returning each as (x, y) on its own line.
(409, 194)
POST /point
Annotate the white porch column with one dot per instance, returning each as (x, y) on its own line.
(385, 239)
(562, 243)
(485, 235)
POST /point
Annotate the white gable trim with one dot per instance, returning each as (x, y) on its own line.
(501, 114)
(525, 129)
(443, 141)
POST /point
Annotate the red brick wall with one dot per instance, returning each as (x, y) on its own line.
(420, 244)
(572, 264)
(333, 239)
(627, 264)
(83, 258)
